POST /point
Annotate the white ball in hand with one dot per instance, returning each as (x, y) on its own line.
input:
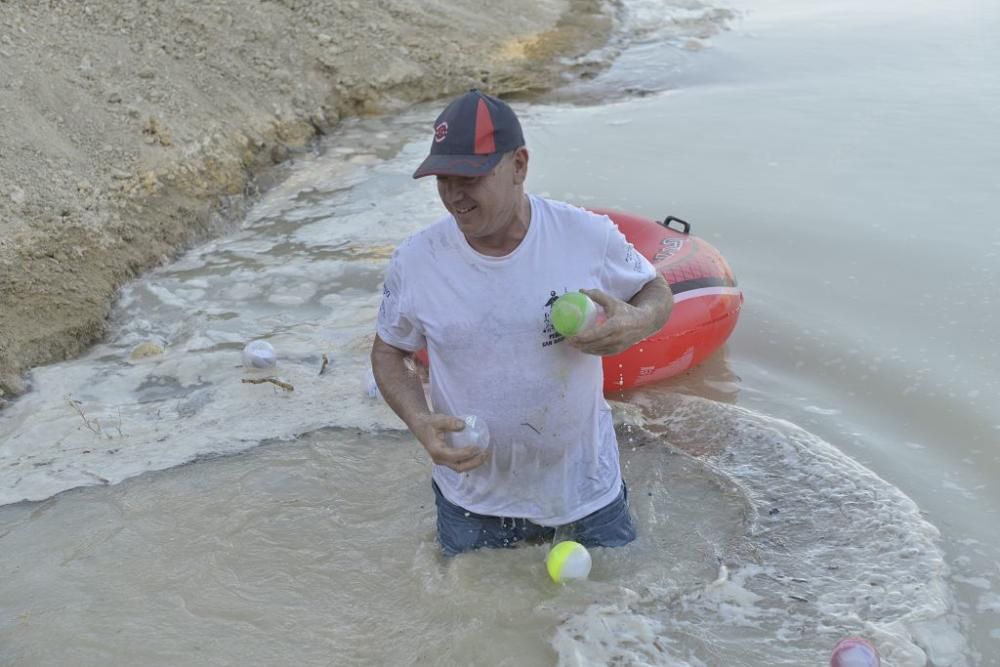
(475, 434)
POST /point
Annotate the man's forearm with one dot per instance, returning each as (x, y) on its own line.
(656, 299)
(400, 386)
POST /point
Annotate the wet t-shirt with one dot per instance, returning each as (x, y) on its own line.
(494, 353)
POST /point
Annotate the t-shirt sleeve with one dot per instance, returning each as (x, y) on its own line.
(395, 325)
(625, 270)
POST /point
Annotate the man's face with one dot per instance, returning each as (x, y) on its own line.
(486, 205)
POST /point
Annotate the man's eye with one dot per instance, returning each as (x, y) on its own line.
(463, 181)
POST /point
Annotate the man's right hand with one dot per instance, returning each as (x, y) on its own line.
(431, 430)
(405, 395)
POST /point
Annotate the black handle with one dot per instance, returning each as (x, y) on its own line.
(666, 223)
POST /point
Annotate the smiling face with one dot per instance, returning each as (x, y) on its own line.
(489, 209)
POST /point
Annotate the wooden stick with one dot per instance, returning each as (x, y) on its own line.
(274, 381)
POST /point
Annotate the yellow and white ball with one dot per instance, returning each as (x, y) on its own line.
(568, 560)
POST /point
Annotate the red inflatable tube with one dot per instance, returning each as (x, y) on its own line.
(707, 303)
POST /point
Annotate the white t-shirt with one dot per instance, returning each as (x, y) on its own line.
(494, 354)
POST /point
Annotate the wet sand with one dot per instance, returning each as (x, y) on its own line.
(130, 130)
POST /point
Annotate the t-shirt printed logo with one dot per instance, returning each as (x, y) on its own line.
(633, 258)
(386, 295)
(549, 334)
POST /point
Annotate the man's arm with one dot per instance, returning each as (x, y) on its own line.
(628, 322)
(404, 393)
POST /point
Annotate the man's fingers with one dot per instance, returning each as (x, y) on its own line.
(476, 461)
(604, 336)
(459, 454)
(603, 347)
(591, 334)
(447, 423)
(461, 459)
(600, 298)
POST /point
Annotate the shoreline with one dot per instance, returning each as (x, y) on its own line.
(130, 133)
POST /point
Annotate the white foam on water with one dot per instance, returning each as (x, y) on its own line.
(610, 633)
(305, 276)
(651, 42)
(977, 582)
(830, 550)
(304, 272)
(989, 602)
(658, 21)
(815, 409)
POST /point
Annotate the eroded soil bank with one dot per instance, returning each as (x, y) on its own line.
(131, 128)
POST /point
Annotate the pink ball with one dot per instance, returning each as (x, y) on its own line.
(855, 652)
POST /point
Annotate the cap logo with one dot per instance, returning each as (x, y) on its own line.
(440, 132)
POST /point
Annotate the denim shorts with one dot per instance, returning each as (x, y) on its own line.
(460, 530)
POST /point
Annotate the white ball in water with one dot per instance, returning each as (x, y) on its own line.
(259, 354)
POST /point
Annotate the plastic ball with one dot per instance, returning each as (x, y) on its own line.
(259, 354)
(568, 560)
(145, 349)
(572, 313)
(475, 434)
(855, 652)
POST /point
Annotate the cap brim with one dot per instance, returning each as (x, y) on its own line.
(457, 165)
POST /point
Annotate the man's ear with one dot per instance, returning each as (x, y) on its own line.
(520, 165)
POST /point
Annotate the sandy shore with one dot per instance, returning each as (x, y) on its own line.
(130, 129)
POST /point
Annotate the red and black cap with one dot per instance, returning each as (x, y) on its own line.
(471, 136)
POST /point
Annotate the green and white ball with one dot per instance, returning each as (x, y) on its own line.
(573, 313)
(568, 560)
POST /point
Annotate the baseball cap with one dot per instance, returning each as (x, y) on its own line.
(471, 135)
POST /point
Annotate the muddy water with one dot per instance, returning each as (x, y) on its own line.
(831, 472)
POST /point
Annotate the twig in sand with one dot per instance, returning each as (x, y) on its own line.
(274, 381)
(326, 362)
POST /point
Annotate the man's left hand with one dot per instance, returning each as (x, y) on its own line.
(625, 326)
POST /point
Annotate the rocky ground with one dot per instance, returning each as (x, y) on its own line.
(131, 128)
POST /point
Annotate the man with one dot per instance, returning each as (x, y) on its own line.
(476, 288)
